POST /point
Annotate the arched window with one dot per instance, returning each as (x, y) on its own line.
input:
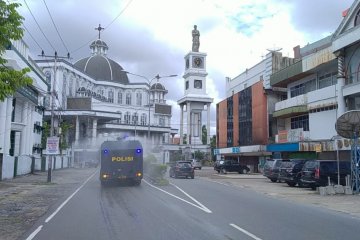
(71, 82)
(138, 98)
(135, 119)
(127, 118)
(120, 96)
(143, 119)
(128, 98)
(111, 96)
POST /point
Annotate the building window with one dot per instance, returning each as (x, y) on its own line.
(138, 99)
(127, 118)
(187, 85)
(111, 96)
(300, 122)
(135, 118)
(327, 80)
(48, 77)
(198, 84)
(143, 119)
(128, 99)
(119, 98)
(162, 121)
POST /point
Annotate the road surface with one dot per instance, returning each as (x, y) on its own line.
(186, 209)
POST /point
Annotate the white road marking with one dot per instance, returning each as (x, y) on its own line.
(221, 183)
(33, 234)
(68, 199)
(244, 231)
(200, 206)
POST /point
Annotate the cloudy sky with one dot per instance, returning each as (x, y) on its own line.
(152, 37)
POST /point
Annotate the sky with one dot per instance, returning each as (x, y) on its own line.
(152, 37)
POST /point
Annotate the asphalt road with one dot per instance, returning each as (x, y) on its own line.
(187, 209)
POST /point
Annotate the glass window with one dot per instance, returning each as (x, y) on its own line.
(162, 121)
(111, 96)
(143, 119)
(138, 99)
(135, 119)
(300, 122)
(128, 98)
(187, 85)
(119, 98)
(357, 19)
(127, 118)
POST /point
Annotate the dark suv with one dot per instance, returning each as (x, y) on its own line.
(225, 166)
(290, 171)
(182, 169)
(272, 169)
(315, 173)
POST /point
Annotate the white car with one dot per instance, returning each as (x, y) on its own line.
(196, 164)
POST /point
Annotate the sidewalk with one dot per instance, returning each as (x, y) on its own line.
(25, 199)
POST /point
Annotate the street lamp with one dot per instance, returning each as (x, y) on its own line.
(149, 81)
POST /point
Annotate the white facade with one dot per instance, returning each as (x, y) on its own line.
(101, 109)
(21, 114)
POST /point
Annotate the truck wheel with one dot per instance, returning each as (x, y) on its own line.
(244, 171)
(223, 170)
(273, 179)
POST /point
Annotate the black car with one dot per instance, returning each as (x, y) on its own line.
(225, 166)
(315, 173)
(272, 169)
(182, 169)
(290, 171)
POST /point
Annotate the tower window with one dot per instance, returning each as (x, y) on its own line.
(198, 84)
(187, 85)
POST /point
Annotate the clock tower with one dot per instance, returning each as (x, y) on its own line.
(195, 100)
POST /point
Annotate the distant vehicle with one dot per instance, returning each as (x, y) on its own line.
(196, 164)
(121, 161)
(224, 166)
(272, 169)
(290, 171)
(315, 173)
(182, 169)
(91, 163)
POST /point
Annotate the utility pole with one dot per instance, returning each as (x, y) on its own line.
(53, 96)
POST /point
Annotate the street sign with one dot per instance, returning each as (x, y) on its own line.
(52, 146)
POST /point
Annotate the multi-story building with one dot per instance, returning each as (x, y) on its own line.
(321, 86)
(96, 98)
(21, 117)
(244, 122)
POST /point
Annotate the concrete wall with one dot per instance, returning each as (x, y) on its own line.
(259, 114)
(222, 123)
(23, 165)
(8, 167)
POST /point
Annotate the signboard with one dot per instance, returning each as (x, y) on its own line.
(52, 145)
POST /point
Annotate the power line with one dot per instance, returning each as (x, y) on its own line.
(87, 43)
(55, 26)
(32, 37)
(38, 25)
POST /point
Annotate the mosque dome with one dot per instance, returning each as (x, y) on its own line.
(100, 67)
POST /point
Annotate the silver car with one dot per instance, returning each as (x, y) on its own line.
(196, 164)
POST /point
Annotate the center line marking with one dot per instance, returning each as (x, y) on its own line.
(244, 231)
(33, 234)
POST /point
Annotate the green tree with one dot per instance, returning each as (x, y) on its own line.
(204, 135)
(10, 29)
(64, 130)
(213, 141)
(199, 155)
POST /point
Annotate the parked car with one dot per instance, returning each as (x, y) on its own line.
(225, 166)
(182, 169)
(272, 169)
(290, 171)
(196, 164)
(315, 173)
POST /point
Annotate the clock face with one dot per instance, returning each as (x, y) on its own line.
(197, 62)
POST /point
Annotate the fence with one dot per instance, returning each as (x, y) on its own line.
(11, 166)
